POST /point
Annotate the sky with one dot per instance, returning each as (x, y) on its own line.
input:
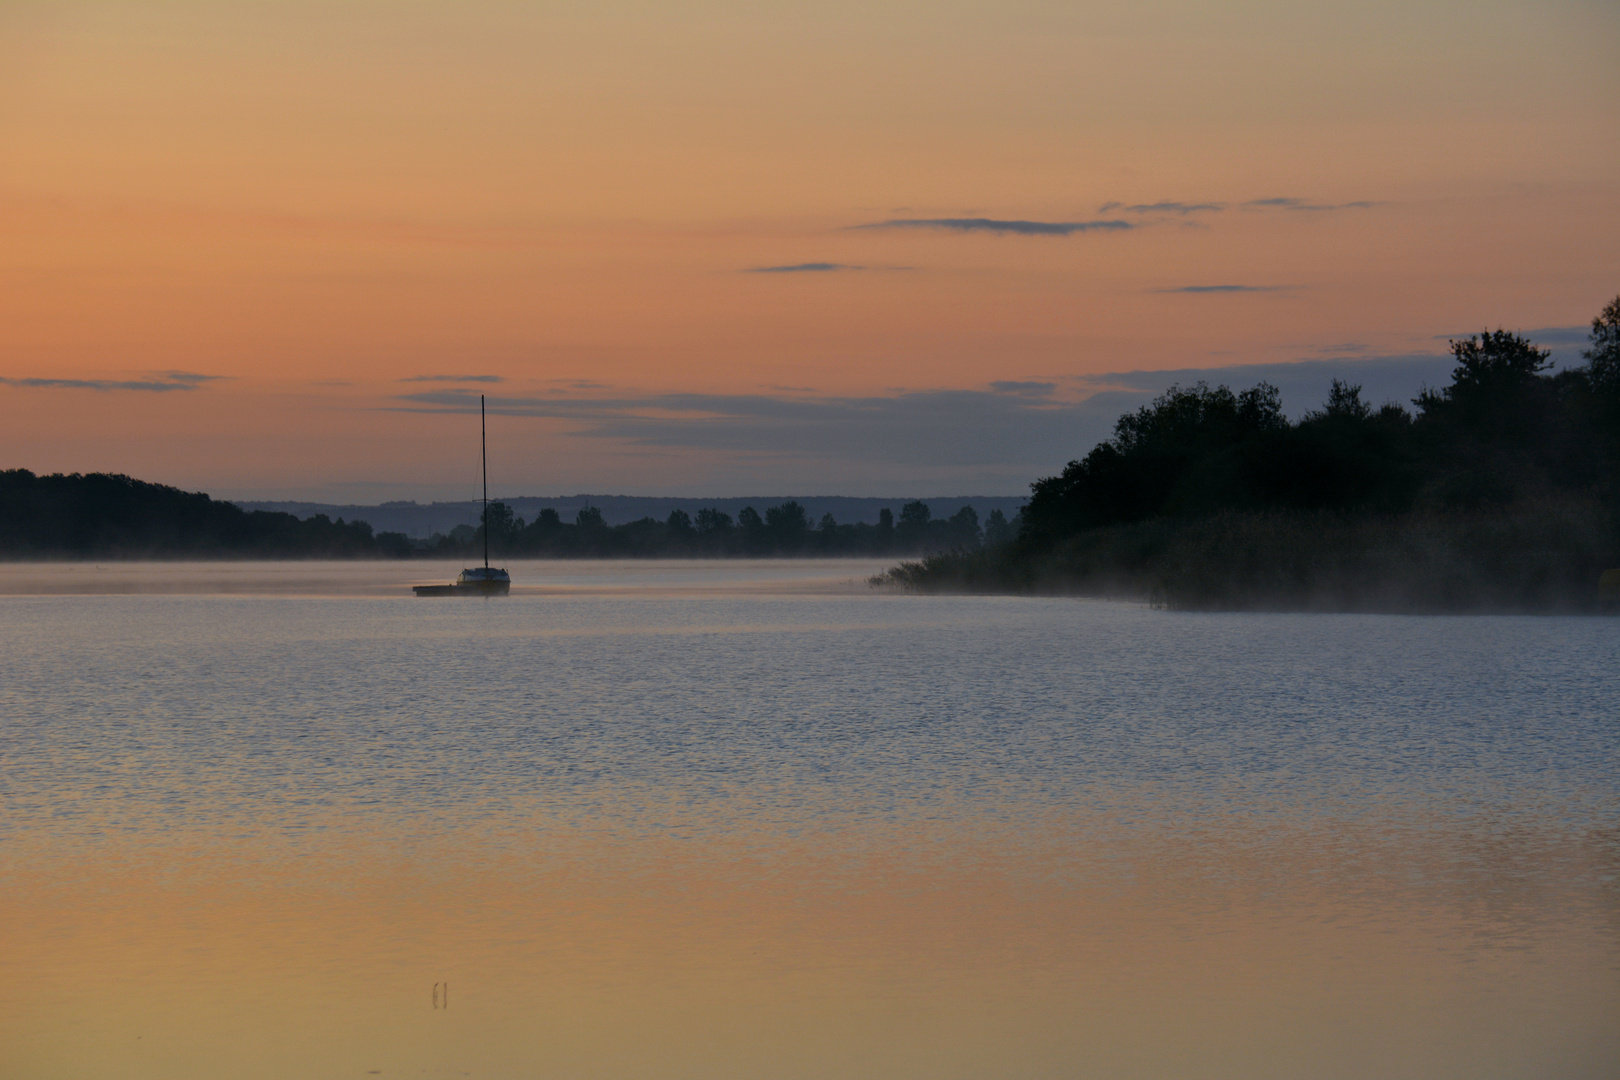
(277, 249)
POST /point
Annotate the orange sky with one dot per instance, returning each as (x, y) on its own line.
(313, 202)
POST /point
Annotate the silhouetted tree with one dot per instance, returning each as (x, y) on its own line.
(964, 528)
(1343, 403)
(1500, 428)
(788, 526)
(915, 515)
(98, 514)
(752, 529)
(1192, 449)
(1486, 398)
(395, 544)
(1598, 382)
(996, 529)
(1603, 355)
(1499, 493)
(504, 529)
(711, 520)
(1504, 427)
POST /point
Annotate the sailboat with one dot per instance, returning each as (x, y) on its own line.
(477, 580)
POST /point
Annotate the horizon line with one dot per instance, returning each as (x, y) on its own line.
(606, 495)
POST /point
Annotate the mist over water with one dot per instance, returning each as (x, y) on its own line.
(392, 579)
(754, 819)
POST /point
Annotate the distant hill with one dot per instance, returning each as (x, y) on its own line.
(422, 520)
(103, 515)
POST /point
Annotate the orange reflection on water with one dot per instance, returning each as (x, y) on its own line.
(907, 957)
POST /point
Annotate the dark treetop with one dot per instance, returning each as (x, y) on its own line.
(1501, 486)
(111, 516)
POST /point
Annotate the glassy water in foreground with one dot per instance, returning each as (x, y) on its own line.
(752, 820)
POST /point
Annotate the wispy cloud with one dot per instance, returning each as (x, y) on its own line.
(1561, 335)
(1223, 289)
(157, 383)
(1547, 335)
(919, 428)
(1279, 202)
(802, 268)
(1112, 223)
(1015, 430)
(998, 225)
(456, 378)
(1287, 203)
(1161, 208)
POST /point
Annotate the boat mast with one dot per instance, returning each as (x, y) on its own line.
(483, 448)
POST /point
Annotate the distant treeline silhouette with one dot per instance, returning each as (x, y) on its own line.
(109, 516)
(1500, 492)
(98, 515)
(784, 530)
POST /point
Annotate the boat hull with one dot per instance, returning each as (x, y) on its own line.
(465, 588)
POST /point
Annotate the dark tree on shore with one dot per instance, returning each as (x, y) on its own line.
(110, 516)
(1603, 355)
(710, 521)
(503, 527)
(997, 530)
(789, 525)
(1502, 490)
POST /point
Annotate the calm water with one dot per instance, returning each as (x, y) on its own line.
(753, 820)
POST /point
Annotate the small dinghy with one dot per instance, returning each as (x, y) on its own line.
(478, 580)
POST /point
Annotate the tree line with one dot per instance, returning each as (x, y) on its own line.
(783, 530)
(113, 516)
(101, 515)
(1499, 490)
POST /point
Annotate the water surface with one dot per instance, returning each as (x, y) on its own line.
(753, 819)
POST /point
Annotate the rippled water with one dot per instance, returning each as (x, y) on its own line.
(752, 819)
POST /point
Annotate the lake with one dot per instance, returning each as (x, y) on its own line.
(753, 819)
